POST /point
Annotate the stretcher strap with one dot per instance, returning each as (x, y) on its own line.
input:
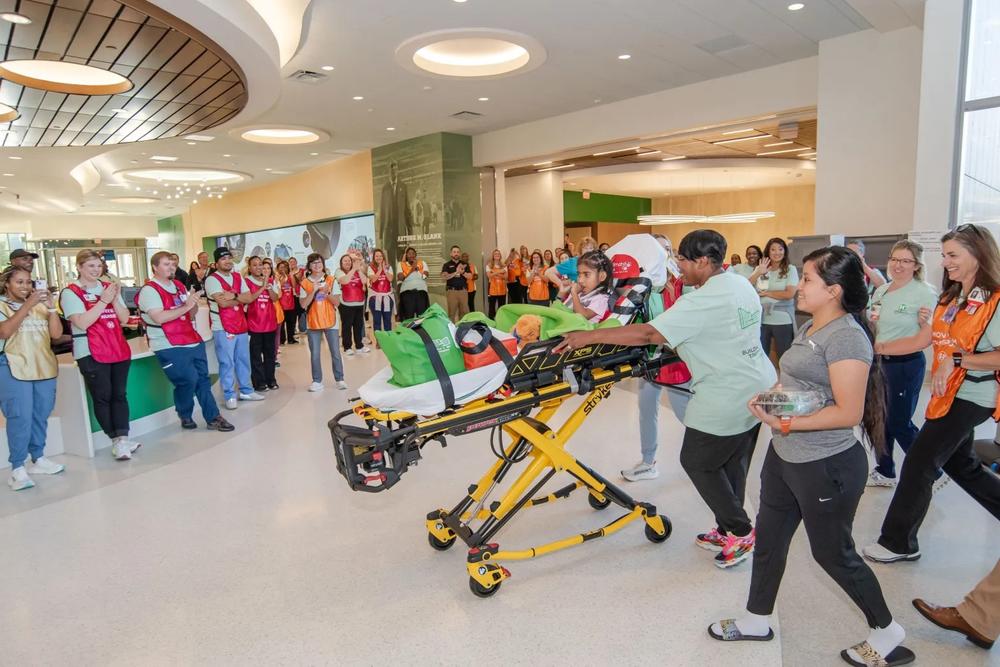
(447, 390)
(486, 340)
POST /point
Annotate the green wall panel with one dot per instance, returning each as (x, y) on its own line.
(171, 233)
(603, 208)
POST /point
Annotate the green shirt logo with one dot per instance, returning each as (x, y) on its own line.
(748, 318)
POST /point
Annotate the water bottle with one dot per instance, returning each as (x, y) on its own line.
(995, 467)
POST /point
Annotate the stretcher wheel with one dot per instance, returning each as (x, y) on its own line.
(656, 538)
(481, 591)
(440, 545)
(598, 504)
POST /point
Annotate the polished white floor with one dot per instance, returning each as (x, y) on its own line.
(248, 548)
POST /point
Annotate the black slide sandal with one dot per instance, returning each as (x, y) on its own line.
(898, 656)
(730, 633)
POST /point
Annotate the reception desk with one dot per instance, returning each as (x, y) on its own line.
(73, 429)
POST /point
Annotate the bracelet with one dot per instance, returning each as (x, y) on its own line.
(786, 425)
(956, 358)
(52, 310)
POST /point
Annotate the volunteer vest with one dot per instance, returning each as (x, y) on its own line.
(181, 331)
(287, 298)
(406, 268)
(381, 283)
(676, 373)
(261, 317)
(320, 314)
(353, 291)
(961, 335)
(233, 318)
(513, 270)
(105, 337)
(29, 350)
(538, 290)
(522, 276)
(471, 282)
(498, 283)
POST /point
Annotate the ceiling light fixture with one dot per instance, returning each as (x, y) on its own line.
(740, 131)
(542, 164)
(674, 157)
(199, 137)
(807, 154)
(59, 76)
(795, 6)
(484, 99)
(357, 98)
(730, 218)
(787, 150)
(470, 52)
(14, 17)
(562, 166)
(645, 153)
(14, 157)
(620, 150)
(390, 129)
(327, 68)
(736, 141)
(281, 135)
(624, 56)
(183, 175)
(780, 143)
(164, 158)
(134, 200)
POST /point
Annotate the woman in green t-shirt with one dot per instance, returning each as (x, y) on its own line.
(895, 309)
(776, 281)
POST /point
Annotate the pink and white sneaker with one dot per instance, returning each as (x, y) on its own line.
(713, 540)
(735, 550)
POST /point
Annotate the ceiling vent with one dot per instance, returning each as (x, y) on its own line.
(723, 44)
(467, 115)
(307, 76)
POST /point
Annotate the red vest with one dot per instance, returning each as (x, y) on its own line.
(287, 299)
(381, 284)
(180, 331)
(105, 337)
(353, 291)
(261, 316)
(233, 318)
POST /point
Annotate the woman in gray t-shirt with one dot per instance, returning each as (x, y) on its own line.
(815, 470)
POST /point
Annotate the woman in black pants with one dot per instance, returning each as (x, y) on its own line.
(287, 301)
(353, 279)
(965, 332)
(815, 469)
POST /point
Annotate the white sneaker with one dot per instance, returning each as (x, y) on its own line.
(19, 479)
(876, 552)
(940, 483)
(366, 349)
(316, 386)
(349, 353)
(341, 384)
(231, 403)
(45, 467)
(132, 445)
(120, 450)
(640, 472)
(252, 396)
(878, 479)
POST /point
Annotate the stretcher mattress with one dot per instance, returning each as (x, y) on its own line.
(427, 399)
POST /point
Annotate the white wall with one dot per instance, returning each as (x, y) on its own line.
(750, 94)
(869, 94)
(532, 213)
(85, 227)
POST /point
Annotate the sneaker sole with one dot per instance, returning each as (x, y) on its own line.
(22, 488)
(896, 559)
(123, 457)
(725, 565)
(708, 546)
(629, 477)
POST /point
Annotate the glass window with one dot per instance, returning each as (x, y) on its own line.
(983, 72)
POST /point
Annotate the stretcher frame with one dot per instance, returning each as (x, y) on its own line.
(392, 441)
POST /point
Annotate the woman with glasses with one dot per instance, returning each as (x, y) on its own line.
(776, 281)
(894, 310)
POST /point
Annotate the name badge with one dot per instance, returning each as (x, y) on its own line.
(976, 298)
(90, 297)
(950, 313)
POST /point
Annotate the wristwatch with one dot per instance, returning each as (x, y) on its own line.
(956, 357)
(786, 425)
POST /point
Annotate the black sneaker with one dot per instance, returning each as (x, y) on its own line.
(220, 424)
(273, 386)
(189, 424)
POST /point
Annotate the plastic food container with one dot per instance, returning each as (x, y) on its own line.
(790, 403)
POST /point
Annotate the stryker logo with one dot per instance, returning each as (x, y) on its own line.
(748, 318)
(443, 344)
(596, 399)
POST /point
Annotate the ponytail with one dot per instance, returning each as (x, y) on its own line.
(873, 420)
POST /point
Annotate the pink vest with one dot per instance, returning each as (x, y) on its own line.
(105, 337)
(180, 331)
(233, 318)
(353, 291)
(261, 316)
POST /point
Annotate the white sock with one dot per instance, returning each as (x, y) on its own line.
(751, 625)
(884, 640)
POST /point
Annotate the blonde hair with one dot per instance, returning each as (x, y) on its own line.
(157, 257)
(86, 255)
(588, 240)
(914, 249)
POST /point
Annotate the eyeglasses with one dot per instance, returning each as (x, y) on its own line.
(900, 260)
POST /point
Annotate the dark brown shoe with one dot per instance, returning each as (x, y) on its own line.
(949, 619)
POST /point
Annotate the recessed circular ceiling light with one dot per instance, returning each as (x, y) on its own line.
(357, 98)
(795, 6)
(134, 200)
(390, 129)
(64, 77)
(328, 68)
(14, 17)
(178, 175)
(282, 135)
(484, 99)
(314, 154)
(14, 157)
(8, 174)
(470, 52)
(7, 114)
(624, 56)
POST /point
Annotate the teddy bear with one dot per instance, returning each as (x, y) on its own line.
(527, 329)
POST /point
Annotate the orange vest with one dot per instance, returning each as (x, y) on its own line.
(514, 270)
(471, 282)
(498, 283)
(523, 277)
(320, 314)
(406, 268)
(539, 288)
(961, 335)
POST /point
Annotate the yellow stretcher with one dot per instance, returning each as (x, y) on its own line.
(373, 458)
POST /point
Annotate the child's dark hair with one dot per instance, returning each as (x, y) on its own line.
(598, 261)
(837, 265)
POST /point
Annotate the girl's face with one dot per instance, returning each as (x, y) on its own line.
(256, 267)
(753, 257)
(92, 269)
(588, 279)
(411, 255)
(958, 262)
(902, 265)
(266, 268)
(536, 260)
(776, 253)
(547, 256)
(346, 263)
(497, 256)
(20, 285)
(813, 294)
(316, 266)
(563, 257)
(378, 258)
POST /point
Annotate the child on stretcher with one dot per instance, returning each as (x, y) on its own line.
(590, 296)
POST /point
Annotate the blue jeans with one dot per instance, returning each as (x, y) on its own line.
(649, 408)
(26, 405)
(234, 358)
(187, 370)
(903, 380)
(315, 337)
(381, 319)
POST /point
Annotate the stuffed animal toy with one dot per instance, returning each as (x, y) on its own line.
(527, 329)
